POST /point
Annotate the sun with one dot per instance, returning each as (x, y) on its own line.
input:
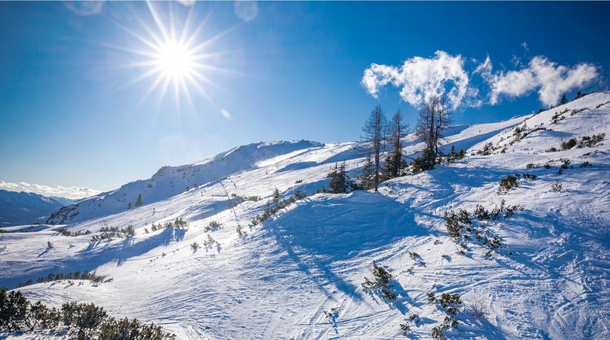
(175, 60)
(172, 57)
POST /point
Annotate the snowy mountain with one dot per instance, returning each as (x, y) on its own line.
(171, 181)
(63, 200)
(532, 257)
(17, 208)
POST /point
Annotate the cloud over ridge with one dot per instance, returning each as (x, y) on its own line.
(419, 79)
(71, 192)
(551, 80)
(422, 78)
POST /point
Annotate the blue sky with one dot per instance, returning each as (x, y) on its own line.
(277, 71)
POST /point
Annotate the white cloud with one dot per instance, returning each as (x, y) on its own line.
(524, 45)
(423, 78)
(551, 80)
(71, 192)
(226, 114)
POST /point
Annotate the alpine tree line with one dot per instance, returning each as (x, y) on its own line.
(381, 145)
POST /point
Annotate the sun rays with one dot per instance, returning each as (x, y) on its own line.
(174, 60)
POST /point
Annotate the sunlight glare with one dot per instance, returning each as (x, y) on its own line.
(175, 60)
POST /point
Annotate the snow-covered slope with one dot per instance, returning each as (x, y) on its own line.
(276, 281)
(171, 181)
(17, 208)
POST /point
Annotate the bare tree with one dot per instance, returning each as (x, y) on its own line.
(373, 140)
(395, 160)
(433, 118)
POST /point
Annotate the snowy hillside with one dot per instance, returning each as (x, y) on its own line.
(17, 208)
(171, 181)
(299, 275)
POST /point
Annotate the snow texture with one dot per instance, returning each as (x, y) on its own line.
(276, 281)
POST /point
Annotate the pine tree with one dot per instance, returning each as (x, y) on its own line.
(374, 139)
(367, 173)
(139, 201)
(277, 194)
(564, 100)
(395, 161)
(339, 180)
(578, 95)
(129, 206)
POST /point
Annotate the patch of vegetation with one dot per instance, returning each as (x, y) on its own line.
(179, 223)
(109, 233)
(449, 303)
(557, 186)
(510, 181)
(330, 314)
(213, 225)
(583, 142)
(86, 275)
(552, 149)
(82, 321)
(488, 149)
(460, 225)
(270, 210)
(67, 232)
(210, 242)
(380, 281)
(195, 245)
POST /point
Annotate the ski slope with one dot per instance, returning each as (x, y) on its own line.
(276, 281)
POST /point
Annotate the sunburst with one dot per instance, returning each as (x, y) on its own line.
(173, 58)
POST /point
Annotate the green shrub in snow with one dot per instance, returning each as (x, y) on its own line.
(82, 321)
(213, 225)
(381, 280)
(557, 186)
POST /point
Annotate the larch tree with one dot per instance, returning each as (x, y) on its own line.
(433, 119)
(374, 138)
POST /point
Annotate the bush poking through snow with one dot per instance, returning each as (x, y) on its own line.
(66, 232)
(456, 222)
(507, 183)
(564, 166)
(510, 181)
(331, 314)
(437, 332)
(194, 245)
(271, 210)
(210, 242)
(460, 226)
(380, 281)
(213, 225)
(479, 307)
(404, 328)
(109, 233)
(557, 186)
(49, 244)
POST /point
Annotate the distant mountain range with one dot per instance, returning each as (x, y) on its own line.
(19, 208)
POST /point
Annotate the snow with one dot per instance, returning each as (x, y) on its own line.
(552, 281)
